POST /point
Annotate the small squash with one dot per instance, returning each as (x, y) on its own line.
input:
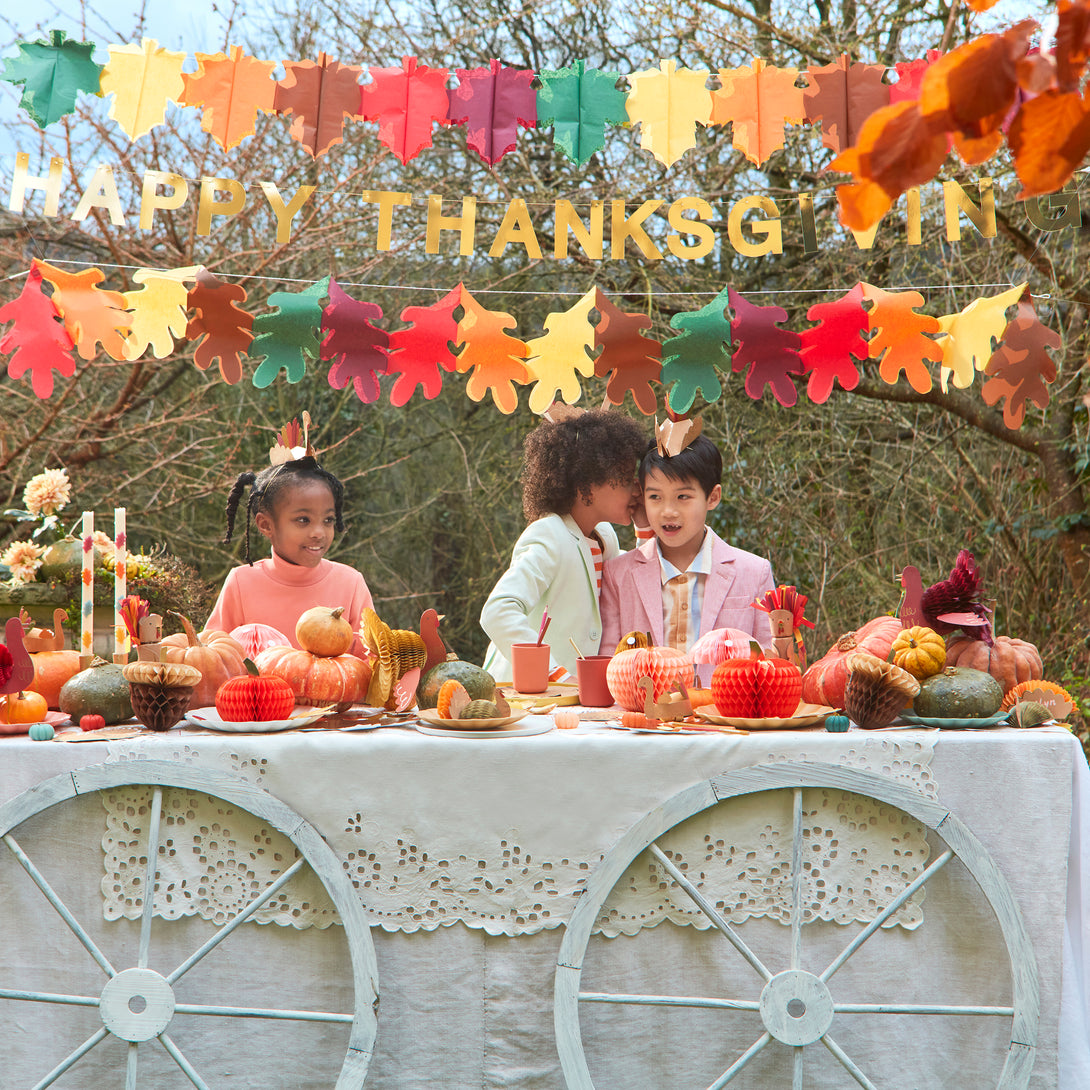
(324, 631)
(1008, 660)
(919, 650)
(18, 710)
(478, 683)
(101, 689)
(214, 653)
(958, 692)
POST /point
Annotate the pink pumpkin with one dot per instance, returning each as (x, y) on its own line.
(256, 637)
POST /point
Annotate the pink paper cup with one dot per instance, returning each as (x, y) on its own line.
(590, 672)
(530, 667)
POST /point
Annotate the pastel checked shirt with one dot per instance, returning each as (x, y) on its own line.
(683, 596)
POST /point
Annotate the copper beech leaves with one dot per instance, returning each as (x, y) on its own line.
(222, 329)
(1020, 369)
(38, 340)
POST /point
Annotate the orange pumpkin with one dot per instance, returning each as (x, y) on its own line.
(53, 665)
(665, 666)
(214, 653)
(824, 681)
(318, 679)
(1008, 660)
(19, 710)
(324, 631)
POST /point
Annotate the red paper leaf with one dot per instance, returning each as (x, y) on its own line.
(222, 329)
(631, 360)
(1020, 369)
(356, 347)
(769, 351)
(900, 338)
(37, 338)
(826, 349)
(417, 353)
(321, 95)
(492, 102)
(406, 101)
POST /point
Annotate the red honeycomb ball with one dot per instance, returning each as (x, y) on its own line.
(757, 687)
(254, 698)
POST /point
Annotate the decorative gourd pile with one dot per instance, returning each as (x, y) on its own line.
(455, 703)
(254, 697)
(665, 666)
(756, 687)
(825, 680)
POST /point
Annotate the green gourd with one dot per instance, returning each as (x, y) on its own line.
(101, 689)
(958, 692)
(480, 709)
(478, 683)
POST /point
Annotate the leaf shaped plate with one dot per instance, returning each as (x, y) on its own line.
(981, 723)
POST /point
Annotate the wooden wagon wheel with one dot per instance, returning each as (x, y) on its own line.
(138, 1004)
(797, 1008)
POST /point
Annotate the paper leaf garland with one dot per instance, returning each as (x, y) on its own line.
(37, 338)
(158, 311)
(320, 95)
(900, 340)
(232, 90)
(52, 71)
(758, 101)
(668, 104)
(356, 348)
(92, 315)
(556, 359)
(143, 79)
(826, 349)
(417, 353)
(289, 335)
(967, 344)
(693, 359)
(495, 357)
(406, 102)
(631, 360)
(579, 102)
(222, 329)
(1020, 368)
(492, 102)
(842, 96)
(769, 351)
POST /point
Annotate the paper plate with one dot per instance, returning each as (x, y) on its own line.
(431, 717)
(806, 715)
(981, 723)
(210, 718)
(542, 727)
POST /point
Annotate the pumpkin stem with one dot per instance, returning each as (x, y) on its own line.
(756, 651)
(251, 667)
(190, 631)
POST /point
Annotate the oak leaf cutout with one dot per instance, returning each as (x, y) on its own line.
(418, 352)
(406, 102)
(765, 348)
(158, 310)
(320, 95)
(143, 79)
(692, 361)
(288, 336)
(968, 335)
(220, 327)
(628, 360)
(492, 102)
(353, 344)
(900, 340)
(92, 315)
(494, 357)
(758, 101)
(827, 348)
(1020, 369)
(556, 359)
(232, 89)
(842, 96)
(668, 104)
(37, 339)
(53, 71)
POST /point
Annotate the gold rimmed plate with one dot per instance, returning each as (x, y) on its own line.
(432, 718)
(805, 715)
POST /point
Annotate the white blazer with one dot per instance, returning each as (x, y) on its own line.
(551, 568)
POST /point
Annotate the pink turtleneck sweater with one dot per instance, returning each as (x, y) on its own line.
(274, 592)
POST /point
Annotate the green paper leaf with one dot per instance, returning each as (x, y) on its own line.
(693, 359)
(580, 103)
(288, 335)
(52, 73)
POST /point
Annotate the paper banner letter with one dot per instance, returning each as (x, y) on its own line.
(1020, 368)
(92, 315)
(495, 357)
(158, 310)
(693, 359)
(900, 340)
(492, 102)
(37, 338)
(826, 349)
(143, 79)
(233, 90)
(52, 71)
(968, 335)
(579, 102)
(406, 102)
(758, 101)
(222, 329)
(319, 95)
(842, 96)
(769, 351)
(631, 360)
(289, 335)
(355, 347)
(418, 352)
(668, 104)
(557, 359)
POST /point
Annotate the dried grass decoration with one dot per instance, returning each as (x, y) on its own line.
(395, 652)
(160, 691)
(877, 691)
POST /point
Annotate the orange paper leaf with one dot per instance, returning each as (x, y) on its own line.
(232, 89)
(900, 340)
(758, 100)
(495, 358)
(92, 315)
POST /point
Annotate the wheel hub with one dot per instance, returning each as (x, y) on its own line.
(137, 1004)
(796, 1007)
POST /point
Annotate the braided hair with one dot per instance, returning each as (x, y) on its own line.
(267, 486)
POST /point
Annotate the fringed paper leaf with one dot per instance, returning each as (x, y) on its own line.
(693, 359)
(289, 335)
(770, 352)
(967, 344)
(38, 340)
(842, 96)
(222, 329)
(758, 100)
(92, 315)
(900, 340)
(355, 347)
(1021, 369)
(406, 102)
(557, 359)
(232, 89)
(631, 360)
(143, 79)
(158, 310)
(492, 102)
(826, 349)
(495, 357)
(579, 102)
(52, 71)
(417, 353)
(319, 95)
(668, 104)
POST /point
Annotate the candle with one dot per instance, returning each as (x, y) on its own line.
(87, 597)
(121, 556)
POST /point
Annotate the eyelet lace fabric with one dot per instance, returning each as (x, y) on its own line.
(420, 874)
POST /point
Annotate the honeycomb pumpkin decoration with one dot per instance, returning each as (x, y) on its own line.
(254, 697)
(665, 666)
(756, 687)
(919, 650)
(255, 637)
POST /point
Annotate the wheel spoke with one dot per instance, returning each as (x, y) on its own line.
(51, 896)
(708, 909)
(72, 1058)
(886, 913)
(848, 1065)
(131, 1062)
(796, 1074)
(741, 1062)
(270, 892)
(150, 872)
(918, 1008)
(50, 997)
(261, 1012)
(796, 879)
(670, 1001)
(176, 1055)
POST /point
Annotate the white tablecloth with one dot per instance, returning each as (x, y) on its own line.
(463, 1008)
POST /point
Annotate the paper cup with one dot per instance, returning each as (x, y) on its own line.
(591, 675)
(530, 667)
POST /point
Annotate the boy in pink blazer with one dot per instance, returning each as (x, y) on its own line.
(686, 580)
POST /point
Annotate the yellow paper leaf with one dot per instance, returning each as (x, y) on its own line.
(668, 105)
(158, 310)
(142, 78)
(966, 337)
(557, 359)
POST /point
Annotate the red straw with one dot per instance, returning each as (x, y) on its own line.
(545, 619)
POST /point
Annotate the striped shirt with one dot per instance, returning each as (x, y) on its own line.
(683, 597)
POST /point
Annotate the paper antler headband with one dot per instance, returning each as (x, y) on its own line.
(673, 436)
(292, 443)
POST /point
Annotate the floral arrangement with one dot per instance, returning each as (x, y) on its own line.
(43, 497)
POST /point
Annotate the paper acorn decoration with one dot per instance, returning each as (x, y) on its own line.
(756, 687)
(665, 666)
(876, 691)
(160, 691)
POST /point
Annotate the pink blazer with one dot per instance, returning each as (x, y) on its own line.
(632, 594)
